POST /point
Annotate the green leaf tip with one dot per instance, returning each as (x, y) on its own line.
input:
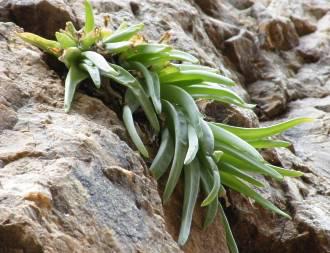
(89, 17)
(49, 46)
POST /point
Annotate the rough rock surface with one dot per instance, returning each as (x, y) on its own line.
(60, 193)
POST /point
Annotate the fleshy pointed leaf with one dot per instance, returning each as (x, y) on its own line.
(129, 124)
(224, 136)
(152, 83)
(93, 72)
(179, 125)
(268, 143)
(164, 155)
(193, 145)
(231, 169)
(216, 181)
(49, 46)
(189, 66)
(262, 132)
(212, 208)
(287, 172)
(207, 139)
(74, 77)
(216, 93)
(245, 161)
(191, 189)
(229, 235)
(124, 33)
(65, 40)
(180, 97)
(117, 47)
(239, 186)
(89, 17)
(203, 75)
(99, 61)
(125, 78)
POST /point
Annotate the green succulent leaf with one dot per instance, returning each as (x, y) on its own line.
(217, 93)
(268, 143)
(245, 161)
(99, 61)
(187, 66)
(71, 30)
(286, 172)
(65, 40)
(212, 166)
(117, 47)
(125, 78)
(207, 139)
(164, 155)
(180, 97)
(71, 55)
(122, 34)
(89, 17)
(202, 75)
(145, 51)
(152, 82)
(229, 235)
(212, 208)
(191, 190)
(129, 124)
(92, 70)
(179, 125)
(231, 169)
(193, 145)
(182, 56)
(74, 77)
(226, 137)
(262, 132)
(49, 46)
(237, 185)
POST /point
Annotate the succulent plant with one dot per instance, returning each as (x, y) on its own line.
(165, 82)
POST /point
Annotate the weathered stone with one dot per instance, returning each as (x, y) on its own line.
(244, 44)
(303, 26)
(278, 33)
(270, 97)
(38, 16)
(231, 115)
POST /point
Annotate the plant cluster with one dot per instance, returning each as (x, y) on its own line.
(165, 82)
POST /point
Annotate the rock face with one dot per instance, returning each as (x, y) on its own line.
(70, 183)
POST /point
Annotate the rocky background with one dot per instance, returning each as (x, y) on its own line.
(71, 183)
